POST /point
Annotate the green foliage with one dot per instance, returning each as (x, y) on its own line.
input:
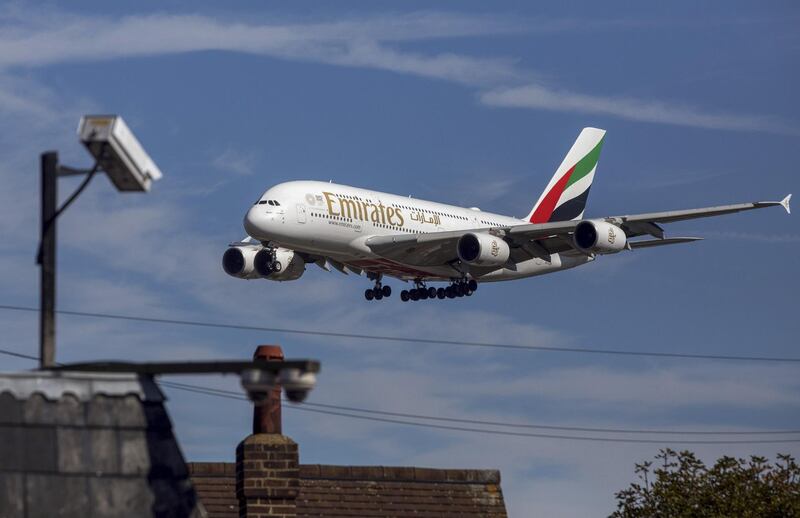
(678, 484)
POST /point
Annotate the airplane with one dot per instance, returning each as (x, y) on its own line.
(378, 235)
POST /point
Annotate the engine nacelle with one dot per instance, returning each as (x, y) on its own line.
(599, 237)
(483, 249)
(239, 261)
(279, 264)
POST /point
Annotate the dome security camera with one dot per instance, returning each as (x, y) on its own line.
(297, 384)
(258, 384)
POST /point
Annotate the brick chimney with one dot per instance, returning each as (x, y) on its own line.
(267, 472)
(267, 416)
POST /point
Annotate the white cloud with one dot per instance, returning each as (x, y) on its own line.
(36, 39)
(350, 42)
(545, 98)
(734, 386)
(482, 187)
(242, 163)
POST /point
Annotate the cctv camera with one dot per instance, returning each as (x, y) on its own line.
(297, 384)
(258, 384)
(119, 154)
(297, 396)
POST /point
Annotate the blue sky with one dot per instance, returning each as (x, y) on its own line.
(463, 103)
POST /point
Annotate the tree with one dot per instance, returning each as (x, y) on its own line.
(680, 485)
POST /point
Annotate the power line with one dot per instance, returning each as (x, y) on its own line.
(415, 340)
(237, 395)
(337, 412)
(301, 407)
(19, 355)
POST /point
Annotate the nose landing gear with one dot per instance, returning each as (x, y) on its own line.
(266, 263)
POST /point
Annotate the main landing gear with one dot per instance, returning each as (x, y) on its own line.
(459, 288)
(378, 292)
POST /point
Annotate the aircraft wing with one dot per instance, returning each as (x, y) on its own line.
(433, 249)
(531, 240)
(681, 215)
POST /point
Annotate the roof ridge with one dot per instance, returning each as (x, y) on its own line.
(399, 474)
(386, 473)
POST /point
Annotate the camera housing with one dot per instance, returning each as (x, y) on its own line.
(297, 384)
(258, 384)
(109, 140)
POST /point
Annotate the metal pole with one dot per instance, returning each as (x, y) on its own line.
(47, 266)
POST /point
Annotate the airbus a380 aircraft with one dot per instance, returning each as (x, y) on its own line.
(379, 234)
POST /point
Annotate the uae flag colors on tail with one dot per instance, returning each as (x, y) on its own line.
(565, 197)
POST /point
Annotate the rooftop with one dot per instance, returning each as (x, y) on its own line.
(89, 445)
(365, 491)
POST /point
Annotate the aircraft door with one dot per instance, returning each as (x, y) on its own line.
(301, 213)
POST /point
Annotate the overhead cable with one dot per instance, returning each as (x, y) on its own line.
(216, 391)
(304, 407)
(414, 340)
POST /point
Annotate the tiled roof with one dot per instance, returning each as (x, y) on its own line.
(375, 491)
(76, 444)
(215, 484)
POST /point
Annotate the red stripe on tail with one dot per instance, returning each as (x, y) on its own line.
(545, 209)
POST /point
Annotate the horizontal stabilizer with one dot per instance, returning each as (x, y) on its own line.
(658, 242)
(785, 203)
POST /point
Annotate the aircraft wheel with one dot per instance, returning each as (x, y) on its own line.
(431, 292)
(277, 266)
(468, 292)
(449, 292)
(414, 294)
(423, 294)
(459, 290)
(387, 291)
(473, 284)
(404, 295)
(377, 293)
(369, 294)
(440, 293)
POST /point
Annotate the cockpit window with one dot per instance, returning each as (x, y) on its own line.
(274, 203)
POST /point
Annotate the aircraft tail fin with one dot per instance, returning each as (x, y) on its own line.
(565, 197)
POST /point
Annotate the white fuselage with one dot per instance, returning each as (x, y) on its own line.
(334, 221)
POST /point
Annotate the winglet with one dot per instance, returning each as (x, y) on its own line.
(785, 203)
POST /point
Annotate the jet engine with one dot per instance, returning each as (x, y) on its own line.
(481, 249)
(598, 237)
(239, 261)
(257, 262)
(279, 264)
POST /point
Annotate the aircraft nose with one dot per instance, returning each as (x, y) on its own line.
(254, 222)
